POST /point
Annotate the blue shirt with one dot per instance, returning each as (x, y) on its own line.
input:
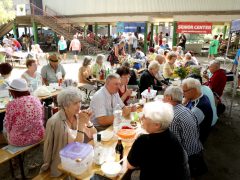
(236, 57)
(208, 92)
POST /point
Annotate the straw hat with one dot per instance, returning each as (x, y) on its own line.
(53, 58)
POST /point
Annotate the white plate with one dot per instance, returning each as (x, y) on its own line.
(134, 93)
(105, 135)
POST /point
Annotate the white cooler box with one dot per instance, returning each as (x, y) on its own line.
(77, 157)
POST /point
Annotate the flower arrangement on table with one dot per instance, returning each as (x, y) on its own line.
(181, 72)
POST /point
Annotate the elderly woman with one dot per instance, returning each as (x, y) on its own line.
(151, 56)
(98, 66)
(160, 145)
(123, 91)
(117, 52)
(5, 72)
(148, 78)
(24, 116)
(169, 65)
(188, 60)
(50, 72)
(69, 124)
(31, 75)
(84, 73)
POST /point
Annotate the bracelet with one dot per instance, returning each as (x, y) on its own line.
(80, 131)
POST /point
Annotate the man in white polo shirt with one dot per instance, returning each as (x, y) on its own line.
(105, 100)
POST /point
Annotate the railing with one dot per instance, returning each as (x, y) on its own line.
(62, 20)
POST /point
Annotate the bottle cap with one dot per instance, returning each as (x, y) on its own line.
(99, 138)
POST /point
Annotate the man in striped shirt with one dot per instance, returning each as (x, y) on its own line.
(185, 127)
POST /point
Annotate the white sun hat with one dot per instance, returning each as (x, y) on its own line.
(18, 85)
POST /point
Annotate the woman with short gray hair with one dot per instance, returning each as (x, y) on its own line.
(175, 93)
(98, 66)
(159, 144)
(69, 124)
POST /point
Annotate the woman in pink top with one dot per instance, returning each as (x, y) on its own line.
(24, 116)
(75, 46)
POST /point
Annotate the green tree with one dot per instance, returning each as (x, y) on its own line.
(7, 13)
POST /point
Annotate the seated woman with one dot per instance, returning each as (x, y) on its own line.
(33, 78)
(24, 116)
(169, 65)
(69, 124)
(98, 66)
(84, 73)
(188, 60)
(151, 56)
(123, 91)
(148, 78)
(159, 145)
(5, 72)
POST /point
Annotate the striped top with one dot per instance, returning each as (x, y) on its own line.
(185, 127)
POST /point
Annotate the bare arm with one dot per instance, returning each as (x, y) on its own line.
(105, 120)
(129, 166)
(45, 81)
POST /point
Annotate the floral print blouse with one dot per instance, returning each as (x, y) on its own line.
(24, 121)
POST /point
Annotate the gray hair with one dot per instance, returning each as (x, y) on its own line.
(68, 96)
(153, 65)
(192, 83)
(159, 57)
(99, 57)
(214, 62)
(112, 76)
(175, 92)
(159, 112)
(87, 60)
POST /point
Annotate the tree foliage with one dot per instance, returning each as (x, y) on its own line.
(7, 13)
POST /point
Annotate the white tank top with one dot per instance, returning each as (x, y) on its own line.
(72, 134)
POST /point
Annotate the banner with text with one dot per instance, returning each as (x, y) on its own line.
(194, 27)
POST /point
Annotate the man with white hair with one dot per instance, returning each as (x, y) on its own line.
(199, 104)
(218, 79)
(104, 102)
(148, 78)
(159, 146)
(185, 127)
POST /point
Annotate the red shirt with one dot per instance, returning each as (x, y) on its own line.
(217, 82)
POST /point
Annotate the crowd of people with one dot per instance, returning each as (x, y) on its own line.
(177, 128)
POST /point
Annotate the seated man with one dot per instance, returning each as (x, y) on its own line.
(199, 104)
(148, 78)
(218, 80)
(185, 127)
(50, 71)
(160, 146)
(104, 102)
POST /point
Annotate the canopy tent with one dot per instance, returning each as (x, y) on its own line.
(235, 28)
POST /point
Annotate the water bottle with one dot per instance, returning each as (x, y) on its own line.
(117, 118)
(98, 151)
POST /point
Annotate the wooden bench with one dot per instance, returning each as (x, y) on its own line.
(46, 175)
(6, 156)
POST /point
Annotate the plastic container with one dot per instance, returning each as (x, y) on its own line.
(117, 117)
(77, 157)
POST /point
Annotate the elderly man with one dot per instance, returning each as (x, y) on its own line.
(161, 60)
(199, 105)
(159, 146)
(104, 102)
(53, 71)
(218, 80)
(149, 79)
(185, 127)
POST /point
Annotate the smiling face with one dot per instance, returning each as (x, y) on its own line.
(124, 79)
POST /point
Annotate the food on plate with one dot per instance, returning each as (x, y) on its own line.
(126, 133)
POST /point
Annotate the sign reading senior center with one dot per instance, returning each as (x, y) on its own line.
(194, 27)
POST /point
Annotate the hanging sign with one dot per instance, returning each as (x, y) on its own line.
(235, 26)
(194, 27)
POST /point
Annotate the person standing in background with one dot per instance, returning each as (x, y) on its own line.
(213, 49)
(75, 46)
(182, 41)
(62, 48)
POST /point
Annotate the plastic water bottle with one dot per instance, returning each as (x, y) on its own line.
(117, 118)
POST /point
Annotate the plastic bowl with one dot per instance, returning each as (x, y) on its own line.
(111, 169)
